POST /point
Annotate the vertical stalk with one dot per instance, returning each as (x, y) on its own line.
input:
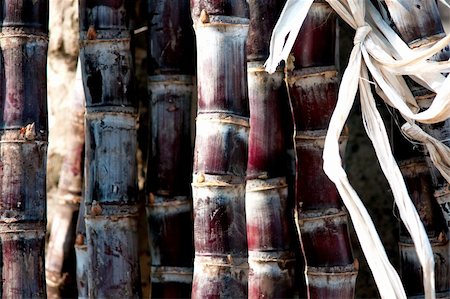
(268, 217)
(111, 168)
(60, 257)
(221, 150)
(418, 180)
(81, 254)
(170, 86)
(312, 81)
(23, 146)
(421, 26)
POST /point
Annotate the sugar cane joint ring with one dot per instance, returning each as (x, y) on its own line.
(21, 34)
(316, 139)
(158, 205)
(223, 118)
(162, 274)
(256, 185)
(282, 257)
(222, 261)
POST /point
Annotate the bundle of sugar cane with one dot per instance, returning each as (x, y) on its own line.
(170, 86)
(111, 142)
(220, 154)
(268, 212)
(380, 51)
(23, 146)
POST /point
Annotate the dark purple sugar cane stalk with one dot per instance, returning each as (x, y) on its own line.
(111, 168)
(268, 213)
(312, 80)
(221, 150)
(23, 146)
(170, 86)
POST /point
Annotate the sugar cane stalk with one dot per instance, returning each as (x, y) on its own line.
(312, 81)
(60, 257)
(268, 217)
(81, 254)
(111, 168)
(170, 86)
(221, 150)
(23, 146)
(421, 26)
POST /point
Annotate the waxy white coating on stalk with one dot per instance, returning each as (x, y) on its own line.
(334, 277)
(211, 125)
(17, 165)
(113, 247)
(216, 43)
(115, 134)
(210, 196)
(275, 268)
(82, 266)
(114, 57)
(266, 208)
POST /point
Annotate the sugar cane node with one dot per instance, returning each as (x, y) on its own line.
(161, 274)
(338, 271)
(224, 118)
(265, 187)
(217, 260)
(282, 257)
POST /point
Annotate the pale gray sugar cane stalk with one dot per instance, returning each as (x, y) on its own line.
(111, 143)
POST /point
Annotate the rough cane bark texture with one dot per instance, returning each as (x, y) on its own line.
(170, 86)
(422, 26)
(111, 170)
(60, 256)
(313, 84)
(23, 146)
(220, 155)
(268, 213)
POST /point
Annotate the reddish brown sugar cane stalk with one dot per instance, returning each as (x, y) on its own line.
(312, 81)
(421, 26)
(268, 217)
(170, 85)
(221, 150)
(23, 147)
(111, 168)
(59, 261)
